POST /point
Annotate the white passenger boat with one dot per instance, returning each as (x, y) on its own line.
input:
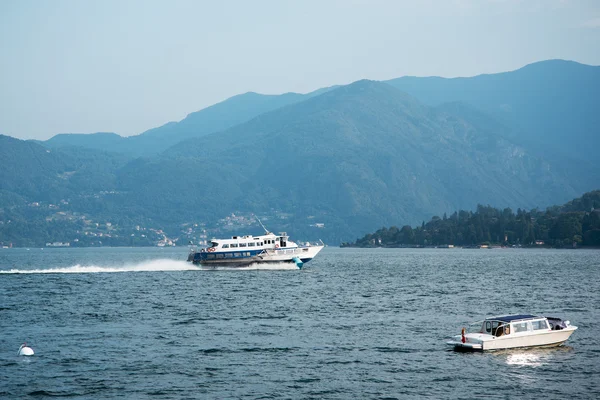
(240, 251)
(513, 331)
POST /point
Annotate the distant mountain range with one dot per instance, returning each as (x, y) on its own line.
(352, 158)
(551, 106)
(221, 116)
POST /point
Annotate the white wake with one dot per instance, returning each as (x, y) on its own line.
(145, 266)
(148, 266)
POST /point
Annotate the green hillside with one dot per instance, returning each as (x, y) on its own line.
(107, 141)
(218, 117)
(550, 106)
(574, 224)
(354, 158)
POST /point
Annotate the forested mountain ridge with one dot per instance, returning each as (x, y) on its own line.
(32, 172)
(354, 157)
(551, 106)
(107, 141)
(215, 118)
(574, 224)
(548, 107)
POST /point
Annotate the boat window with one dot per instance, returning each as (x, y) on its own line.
(520, 327)
(225, 246)
(537, 325)
(488, 326)
(234, 245)
(497, 328)
(211, 256)
(220, 255)
(242, 244)
(262, 243)
(229, 255)
(251, 244)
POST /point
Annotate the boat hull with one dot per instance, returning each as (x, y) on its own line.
(243, 259)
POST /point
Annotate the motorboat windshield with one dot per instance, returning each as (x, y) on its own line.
(491, 327)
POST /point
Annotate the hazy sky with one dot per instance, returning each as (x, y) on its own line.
(125, 66)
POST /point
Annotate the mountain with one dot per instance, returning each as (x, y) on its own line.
(574, 224)
(101, 140)
(29, 170)
(32, 173)
(218, 117)
(355, 158)
(332, 164)
(550, 106)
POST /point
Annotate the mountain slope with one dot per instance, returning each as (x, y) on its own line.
(550, 106)
(31, 172)
(223, 115)
(355, 157)
(101, 140)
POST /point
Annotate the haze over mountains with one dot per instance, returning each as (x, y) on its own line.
(353, 157)
(550, 105)
(218, 117)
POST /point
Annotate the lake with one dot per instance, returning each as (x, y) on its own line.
(354, 323)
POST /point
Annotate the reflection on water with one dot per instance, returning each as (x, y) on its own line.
(534, 357)
(525, 359)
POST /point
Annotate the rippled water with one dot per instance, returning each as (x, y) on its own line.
(369, 324)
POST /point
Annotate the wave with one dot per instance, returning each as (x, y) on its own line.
(163, 265)
(146, 266)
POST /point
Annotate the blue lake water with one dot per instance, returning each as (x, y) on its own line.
(354, 323)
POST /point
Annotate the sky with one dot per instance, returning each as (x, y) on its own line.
(125, 66)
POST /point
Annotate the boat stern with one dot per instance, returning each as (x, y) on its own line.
(468, 342)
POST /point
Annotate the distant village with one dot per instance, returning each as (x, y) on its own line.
(88, 232)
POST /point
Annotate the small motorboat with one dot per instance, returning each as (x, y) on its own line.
(512, 331)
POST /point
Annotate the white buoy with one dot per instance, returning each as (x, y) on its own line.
(25, 351)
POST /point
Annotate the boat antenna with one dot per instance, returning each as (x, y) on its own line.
(261, 224)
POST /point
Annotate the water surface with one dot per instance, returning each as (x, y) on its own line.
(354, 323)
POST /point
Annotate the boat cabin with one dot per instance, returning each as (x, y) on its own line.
(250, 242)
(513, 324)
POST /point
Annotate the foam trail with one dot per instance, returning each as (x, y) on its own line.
(145, 266)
